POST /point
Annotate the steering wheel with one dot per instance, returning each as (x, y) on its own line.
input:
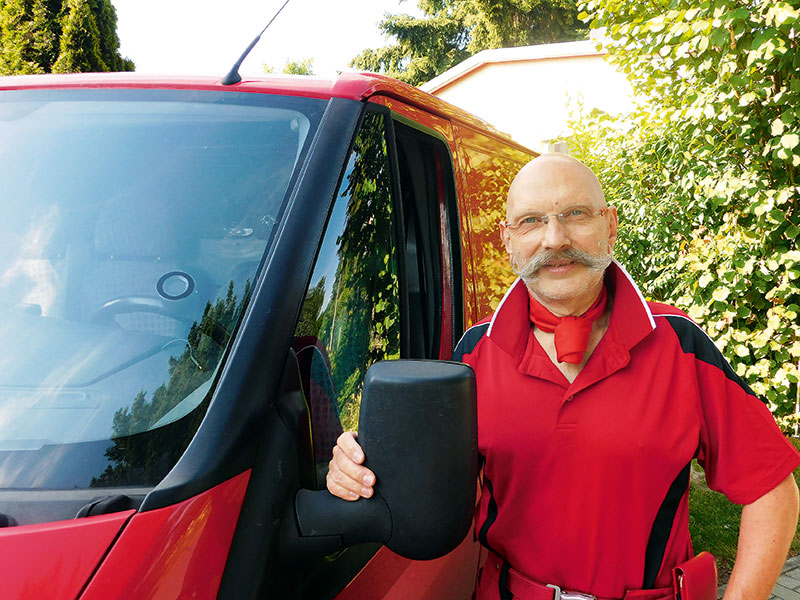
(131, 304)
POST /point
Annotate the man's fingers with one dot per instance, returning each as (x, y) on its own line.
(346, 477)
(360, 476)
(342, 492)
(343, 485)
(348, 444)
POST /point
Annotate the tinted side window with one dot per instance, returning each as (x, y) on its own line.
(430, 236)
(350, 316)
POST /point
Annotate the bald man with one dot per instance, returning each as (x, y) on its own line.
(592, 404)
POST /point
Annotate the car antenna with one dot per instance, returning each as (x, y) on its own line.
(233, 75)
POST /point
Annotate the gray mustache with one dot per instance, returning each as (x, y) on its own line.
(594, 262)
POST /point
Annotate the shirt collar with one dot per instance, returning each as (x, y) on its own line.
(631, 319)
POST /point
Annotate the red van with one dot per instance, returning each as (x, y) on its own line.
(201, 286)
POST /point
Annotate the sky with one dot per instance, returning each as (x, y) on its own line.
(205, 37)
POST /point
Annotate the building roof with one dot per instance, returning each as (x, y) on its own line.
(506, 55)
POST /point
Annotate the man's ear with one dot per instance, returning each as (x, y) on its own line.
(613, 224)
(505, 237)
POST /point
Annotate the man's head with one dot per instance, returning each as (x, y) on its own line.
(558, 231)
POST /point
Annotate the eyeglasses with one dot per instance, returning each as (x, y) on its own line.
(571, 218)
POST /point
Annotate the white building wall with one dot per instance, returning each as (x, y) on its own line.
(531, 98)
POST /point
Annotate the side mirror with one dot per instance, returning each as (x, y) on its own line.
(418, 429)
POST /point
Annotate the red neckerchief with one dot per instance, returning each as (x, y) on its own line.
(571, 333)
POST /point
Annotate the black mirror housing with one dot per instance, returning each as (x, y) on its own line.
(418, 429)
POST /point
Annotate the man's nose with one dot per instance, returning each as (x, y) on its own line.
(555, 235)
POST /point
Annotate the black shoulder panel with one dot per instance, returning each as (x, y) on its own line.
(469, 340)
(694, 341)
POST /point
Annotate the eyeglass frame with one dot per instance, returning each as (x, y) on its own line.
(546, 218)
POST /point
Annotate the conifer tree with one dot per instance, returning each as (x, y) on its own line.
(106, 19)
(47, 25)
(17, 42)
(79, 49)
(44, 36)
(47, 31)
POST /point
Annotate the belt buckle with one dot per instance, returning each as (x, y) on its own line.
(568, 595)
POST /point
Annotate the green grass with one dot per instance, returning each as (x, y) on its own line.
(714, 522)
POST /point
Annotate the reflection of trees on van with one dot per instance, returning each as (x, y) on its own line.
(308, 325)
(490, 177)
(141, 454)
(360, 323)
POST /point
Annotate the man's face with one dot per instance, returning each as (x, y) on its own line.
(569, 256)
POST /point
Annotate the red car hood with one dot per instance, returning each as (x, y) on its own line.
(55, 560)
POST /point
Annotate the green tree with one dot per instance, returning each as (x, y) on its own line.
(295, 67)
(299, 67)
(79, 48)
(43, 36)
(309, 324)
(47, 25)
(20, 39)
(704, 171)
(106, 19)
(452, 30)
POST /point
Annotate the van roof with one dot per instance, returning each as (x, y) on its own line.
(355, 86)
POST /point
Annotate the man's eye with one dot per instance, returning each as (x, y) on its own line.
(576, 215)
(531, 220)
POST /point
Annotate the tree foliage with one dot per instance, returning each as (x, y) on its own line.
(451, 31)
(705, 171)
(294, 67)
(59, 36)
(299, 67)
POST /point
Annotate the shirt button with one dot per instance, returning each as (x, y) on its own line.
(570, 398)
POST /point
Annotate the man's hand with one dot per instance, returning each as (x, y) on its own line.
(346, 478)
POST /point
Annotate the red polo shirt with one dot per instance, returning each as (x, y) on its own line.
(586, 483)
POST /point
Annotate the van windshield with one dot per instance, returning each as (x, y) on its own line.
(132, 226)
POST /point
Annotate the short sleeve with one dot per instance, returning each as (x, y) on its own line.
(744, 453)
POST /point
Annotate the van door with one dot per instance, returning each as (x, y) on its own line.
(386, 284)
